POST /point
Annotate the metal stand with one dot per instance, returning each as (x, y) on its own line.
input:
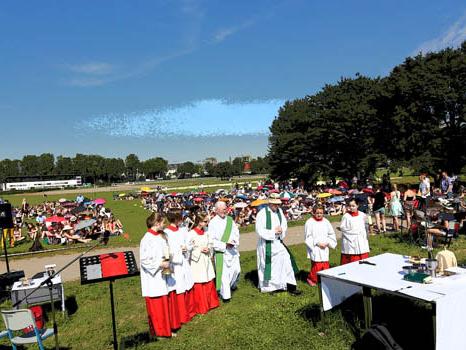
(434, 321)
(367, 300)
(321, 299)
(5, 250)
(49, 283)
(112, 305)
(55, 327)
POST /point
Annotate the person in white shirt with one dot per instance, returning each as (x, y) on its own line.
(275, 268)
(319, 236)
(204, 291)
(353, 226)
(178, 241)
(156, 278)
(225, 237)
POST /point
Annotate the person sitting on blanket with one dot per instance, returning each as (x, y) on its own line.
(275, 265)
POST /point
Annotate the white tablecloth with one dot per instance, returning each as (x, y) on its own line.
(448, 293)
(42, 295)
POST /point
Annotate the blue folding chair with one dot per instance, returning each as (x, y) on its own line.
(17, 320)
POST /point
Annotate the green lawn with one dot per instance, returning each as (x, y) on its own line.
(250, 321)
(206, 181)
(131, 214)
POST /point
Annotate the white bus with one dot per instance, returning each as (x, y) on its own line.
(25, 183)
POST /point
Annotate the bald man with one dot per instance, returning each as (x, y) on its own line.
(225, 237)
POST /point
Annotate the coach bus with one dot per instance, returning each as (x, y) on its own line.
(25, 183)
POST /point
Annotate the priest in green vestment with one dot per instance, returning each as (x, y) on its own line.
(275, 265)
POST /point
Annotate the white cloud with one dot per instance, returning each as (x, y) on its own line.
(224, 33)
(89, 80)
(92, 68)
(93, 74)
(201, 118)
(452, 37)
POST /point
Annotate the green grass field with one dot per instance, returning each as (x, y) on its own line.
(205, 181)
(250, 321)
(131, 214)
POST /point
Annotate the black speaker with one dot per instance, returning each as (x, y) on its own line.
(6, 216)
(7, 279)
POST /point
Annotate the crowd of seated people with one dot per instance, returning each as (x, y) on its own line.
(60, 222)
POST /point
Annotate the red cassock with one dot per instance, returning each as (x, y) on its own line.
(190, 303)
(349, 258)
(317, 266)
(183, 307)
(205, 296)
(159, 319)
(164, 315)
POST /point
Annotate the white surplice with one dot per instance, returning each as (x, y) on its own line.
(180, 260)
(231, 265)
(202, 267)
(152, 252)
(282, 271)
(316, 232)
(354, 234)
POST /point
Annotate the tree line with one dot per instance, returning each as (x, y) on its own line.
(96, 168)
(414, 117)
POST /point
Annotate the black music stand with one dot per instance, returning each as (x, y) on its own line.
(49, 283)
(92, 272)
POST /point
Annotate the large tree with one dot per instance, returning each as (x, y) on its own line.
(9, 168)
(428, 95)
(46, 164)
(114, 169)
(155, 167)
(333, 133)
(133, 165)
(64, 165)
(260, 165)
(30, 165)
(186, 168)
(223, 170)
(237, 165)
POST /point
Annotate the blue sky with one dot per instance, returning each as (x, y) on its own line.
(188, 79)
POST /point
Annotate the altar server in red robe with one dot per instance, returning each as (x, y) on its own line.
(354, 243)
(157, 279)
(319, 236)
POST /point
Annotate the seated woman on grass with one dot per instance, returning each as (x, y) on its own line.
(17, 234)
(75, 236)
(32, 231)
(114, 226)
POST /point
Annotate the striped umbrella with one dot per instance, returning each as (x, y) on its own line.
(286, 195)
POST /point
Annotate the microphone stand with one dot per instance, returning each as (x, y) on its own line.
(49, 283)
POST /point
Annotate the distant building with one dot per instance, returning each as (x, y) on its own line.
(172, 169)
(246, 158)
(210, 160)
